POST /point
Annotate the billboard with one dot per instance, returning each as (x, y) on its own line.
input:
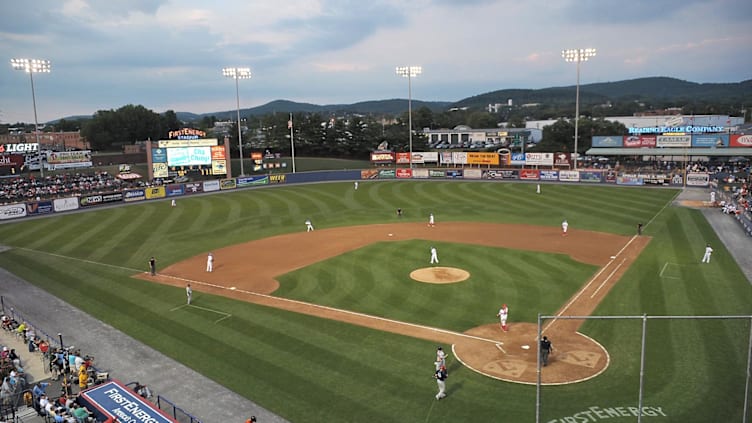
(710, 140)
(402, 158)
(68, 159)
(607, 141)
(640, 141)
(113, 400)
(382, 157)
(563, 160)
(189, 156)
(517, 159)
(740, 141)
(403, 173)
(539, 159)
(673, 141)
(483, 158)
(529, 174)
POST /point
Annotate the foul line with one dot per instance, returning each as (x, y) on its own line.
(609, 277)
(81, 260)
(226, 315)
(664, 208)
(337, 310)
(500, 348)
(587, 285)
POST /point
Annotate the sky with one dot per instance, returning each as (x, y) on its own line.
(169, 54)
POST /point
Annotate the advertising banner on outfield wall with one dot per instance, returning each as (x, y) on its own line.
(610, 176)
(501, 174)
(420, 173)
(591, 176)
(212, 185)
(445, 158)
(529, 174)
(193, 187)
(569, 176)
(369, 174)
(99, 199)
(173, 190)
(278, 179)
(131, 195)
(403, 173)
(740, 141)
(39, 207)
(248, 181)
(673, 141)
(402, 158)
(65, 204)
(425, 157)
(698, 179)
(387, 174)
(473, 173)
(12, 211)
(454, 173)
(628, 180)
(549, 175)
(154, 192)
(710, 140)
(226, 184)
(655, 178)
(608, 141)
(433, 173)
(459, 157)
(639, 141)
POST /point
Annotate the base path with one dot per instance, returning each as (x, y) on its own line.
(485, 349)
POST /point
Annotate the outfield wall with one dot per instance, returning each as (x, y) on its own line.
(174, 191)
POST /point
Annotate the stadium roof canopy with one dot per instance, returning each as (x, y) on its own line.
(670, 151)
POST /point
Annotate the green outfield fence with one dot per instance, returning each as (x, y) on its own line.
(640, 411)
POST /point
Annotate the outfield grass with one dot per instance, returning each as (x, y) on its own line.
(315, 370)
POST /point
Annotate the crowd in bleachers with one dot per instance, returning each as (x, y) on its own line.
(74, 370)
(27, 188)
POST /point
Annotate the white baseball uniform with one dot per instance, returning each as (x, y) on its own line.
(210, 262)
(434, 256)
(503, 313)
(189, 293)
(708, 252)
(440, 358)
(309, 225)
(564, 227)
(430, 220)
(173, 203)
(537, 189)
(356, 185)
(712, 196)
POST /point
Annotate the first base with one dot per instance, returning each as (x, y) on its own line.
(526, 347)
(613, 257)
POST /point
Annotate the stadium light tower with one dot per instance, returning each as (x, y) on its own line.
(409, 72)
(577, 55)
(32, 66)
(236, 74)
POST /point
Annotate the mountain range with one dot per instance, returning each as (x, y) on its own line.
(665, 89)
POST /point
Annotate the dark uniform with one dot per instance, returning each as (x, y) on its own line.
(545, 350)
(153, 266)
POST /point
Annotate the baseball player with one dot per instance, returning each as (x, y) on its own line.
(153, 266)
(173, 203)
(210, 263)
(537, 189)
(440, 358)
(189, 293)
(502, 315)
(441, 375)
(431, 220)
(434, 256)
(564, 227)
(356, 185)
(708, 252)
(309, 225)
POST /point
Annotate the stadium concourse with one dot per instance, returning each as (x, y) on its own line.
(121, 356)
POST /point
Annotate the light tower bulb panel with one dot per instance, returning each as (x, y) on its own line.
(31, 65)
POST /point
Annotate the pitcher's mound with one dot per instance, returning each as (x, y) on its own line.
(439, 275)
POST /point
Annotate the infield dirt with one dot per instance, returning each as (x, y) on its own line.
(485, 349)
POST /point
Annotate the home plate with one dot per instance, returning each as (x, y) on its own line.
(526, 347)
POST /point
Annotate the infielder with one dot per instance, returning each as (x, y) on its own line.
(441, 375)
(708, 252)
(210, 263)
(189, 293)
(564, 227)
(502, 315)
(431, 220)
(440, 358)
(434, 256)
(309, 225)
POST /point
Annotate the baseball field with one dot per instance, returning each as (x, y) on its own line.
(329, 326)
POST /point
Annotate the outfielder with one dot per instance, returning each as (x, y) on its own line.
(434, 256)
(356, 185)
(708, 252)
(210, 263)
(309, 225)
(564, 227)
(537, 189)
(503, 314)
(189, 293)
